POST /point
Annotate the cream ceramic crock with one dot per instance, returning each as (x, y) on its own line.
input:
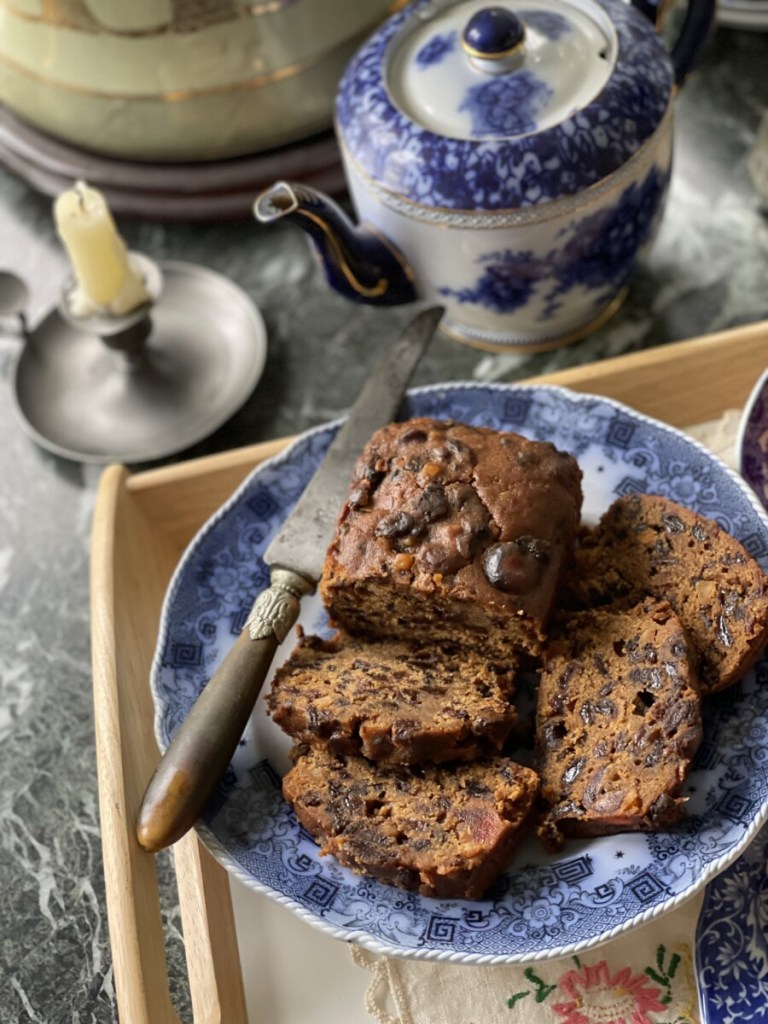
(172, 80)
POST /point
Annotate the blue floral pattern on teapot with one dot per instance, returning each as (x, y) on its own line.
(506, 106)
(406, 158)
(597, 253)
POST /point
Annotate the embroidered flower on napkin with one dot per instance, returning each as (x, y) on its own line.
(644, 977)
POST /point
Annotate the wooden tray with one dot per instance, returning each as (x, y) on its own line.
(142, 523)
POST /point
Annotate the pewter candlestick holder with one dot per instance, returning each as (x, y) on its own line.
(126, 333)
(141, 386)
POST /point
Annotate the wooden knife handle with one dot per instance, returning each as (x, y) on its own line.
(205, 741)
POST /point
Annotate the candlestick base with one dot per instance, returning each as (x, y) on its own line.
(126, 333)
(145, 385)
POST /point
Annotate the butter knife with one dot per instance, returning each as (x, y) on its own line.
(203, 746)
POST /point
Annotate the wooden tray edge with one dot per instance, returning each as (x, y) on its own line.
(681, 383)
(126, 757)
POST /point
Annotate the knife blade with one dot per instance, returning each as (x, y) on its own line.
(203, 745)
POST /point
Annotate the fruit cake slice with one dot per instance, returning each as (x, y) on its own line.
(442, 831)
(648, 545)
(392, 700)
(618, 720)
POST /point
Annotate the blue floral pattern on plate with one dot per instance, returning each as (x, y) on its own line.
(497, 174)
(732, 941)
(544, 905)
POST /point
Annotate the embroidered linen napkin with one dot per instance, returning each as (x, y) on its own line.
(644, 977)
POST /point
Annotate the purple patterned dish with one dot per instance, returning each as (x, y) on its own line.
(752, 440)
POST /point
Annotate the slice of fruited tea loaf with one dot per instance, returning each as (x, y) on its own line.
(392, 700)
(445, 832)
(647, 544)
(618, 720)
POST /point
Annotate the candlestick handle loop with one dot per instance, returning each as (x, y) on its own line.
(14, 295)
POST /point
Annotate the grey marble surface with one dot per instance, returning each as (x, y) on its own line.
(708, 270)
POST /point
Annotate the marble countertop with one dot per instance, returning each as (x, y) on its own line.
(707, 271)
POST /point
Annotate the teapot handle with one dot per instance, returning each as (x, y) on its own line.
(693, 33)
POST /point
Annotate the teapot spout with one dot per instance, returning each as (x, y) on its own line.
(359, 264)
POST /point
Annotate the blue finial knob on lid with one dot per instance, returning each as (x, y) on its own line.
(493, 33)
(493, 40)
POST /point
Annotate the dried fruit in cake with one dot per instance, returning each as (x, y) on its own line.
(618, 720)
(393, 701)
(445, 832)
(455, 534)
(647, 544)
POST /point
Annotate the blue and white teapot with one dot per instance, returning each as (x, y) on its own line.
(509, 162)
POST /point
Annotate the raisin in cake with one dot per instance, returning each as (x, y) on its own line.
(445, 832)
(618, 720)
(646, 544)
(393, 701)
(453, 534)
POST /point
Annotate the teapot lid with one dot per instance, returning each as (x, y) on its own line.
(471, 106)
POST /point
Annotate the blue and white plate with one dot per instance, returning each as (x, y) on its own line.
(732, 941)
(544, 905)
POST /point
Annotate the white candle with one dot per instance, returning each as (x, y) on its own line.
(106, 280)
